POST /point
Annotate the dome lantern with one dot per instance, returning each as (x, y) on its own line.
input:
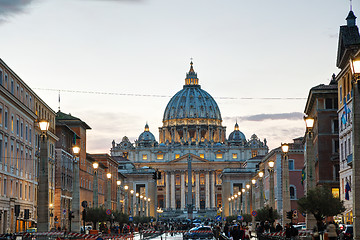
(191, 76)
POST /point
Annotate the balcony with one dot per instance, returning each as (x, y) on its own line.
(349, 159)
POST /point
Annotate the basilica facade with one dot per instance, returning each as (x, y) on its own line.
(192, 129)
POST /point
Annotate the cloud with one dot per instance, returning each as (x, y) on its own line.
(10, 8)
(266, 116)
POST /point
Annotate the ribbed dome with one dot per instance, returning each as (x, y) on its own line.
(192, 102)
(146, 135)
(236, 135)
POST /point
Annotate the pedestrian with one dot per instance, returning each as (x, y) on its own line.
(331, 231)
(315, 233)
(278, 227)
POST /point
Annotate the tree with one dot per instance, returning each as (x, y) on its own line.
(120, 217)
(321, 203)
(247, 218)
(267, 214)
(95, 215)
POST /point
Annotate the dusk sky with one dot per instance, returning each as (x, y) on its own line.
(257, 58)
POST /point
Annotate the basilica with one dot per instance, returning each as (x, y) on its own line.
(192, 129)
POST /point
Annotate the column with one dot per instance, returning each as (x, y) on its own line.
(173, 190)
(207, 191)
(212, 187)
(182, 193)
(167, 191)
(197, 190)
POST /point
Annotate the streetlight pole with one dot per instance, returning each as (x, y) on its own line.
(248, 193)
(272, 192)
(355, 69)
(145, 206)
(141, 205)
(118, 205)
(137, 204)
(285, 182)
(148, 207)
(310, 166)
(261, 186)
(243, 198)
(126, 208)
(95, 190)
(132, 202)
(43, 192)
(235, 204)
(108, 198)
(75, 203)
(229, 206)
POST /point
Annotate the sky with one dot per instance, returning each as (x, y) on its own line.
(258, 59)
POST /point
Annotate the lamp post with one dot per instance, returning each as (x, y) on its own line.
(248, 199)
(229, 206)
(75, 223)
(355, 69)
(137, 203)
(240, 199)
(189, 198)
(309, 166)
(243, 196)
(261, 188)
(108, 198)
(252, 206)
(118, 204)
(285, 182)
(43, 192)
(95, 190)
(235, 205)
(159, 211)
(126, 208)
(132, 202)
(148, 200)
(272, 192)
(141, 205)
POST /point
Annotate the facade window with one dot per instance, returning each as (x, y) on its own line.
(5, 187)
(30, 136)
(12, 123)
(202, 155)
(6, 80)
(335, 146)
(26, 132)
(341, 94)
(291, 164)
(1, 115)
(292, 192)
(219, 155)
(1, 148)
(12, 86)
(17, 126)
(20, 190)
(29, 193)
(335, 192)
(160, 156)
(6, 119)
(202, 179)
(328, 103)
(337, 172)
(253, 153)
(21, 130)
(144, 156)
(177, 180)
(1, 77)
(177, 156)
(234, 155)
(335, 126)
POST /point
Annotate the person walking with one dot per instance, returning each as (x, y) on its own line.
(331, 231)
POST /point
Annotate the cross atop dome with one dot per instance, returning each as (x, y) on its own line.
(191, 76)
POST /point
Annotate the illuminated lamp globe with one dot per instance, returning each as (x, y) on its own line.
(95, 165)
(76, 150)
(261, 174)
(108, 175)
(271, 164)
(253, 181)
(44, 125)
(118, 182)
(285, 148)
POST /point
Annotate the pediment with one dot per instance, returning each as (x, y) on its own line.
(184, 159)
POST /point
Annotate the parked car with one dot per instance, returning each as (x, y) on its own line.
(346, 232)
(300, 226)
(200, 232)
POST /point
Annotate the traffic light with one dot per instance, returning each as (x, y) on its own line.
(289, 215)
(71, 215)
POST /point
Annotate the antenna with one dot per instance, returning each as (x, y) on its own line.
(350, 5)
(59, 100)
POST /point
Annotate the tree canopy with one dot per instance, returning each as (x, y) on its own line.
(267, 214)
(321, 203)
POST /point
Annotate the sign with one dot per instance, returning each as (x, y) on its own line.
(240, 218)
(254, 213)
(108, 211)
(131, 218)
(218, 218)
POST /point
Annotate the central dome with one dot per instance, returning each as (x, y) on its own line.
(192, 102)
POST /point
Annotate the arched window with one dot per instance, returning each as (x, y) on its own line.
(292, 192)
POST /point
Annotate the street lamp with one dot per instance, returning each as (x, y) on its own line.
(309, 165)
(248, 199)
(126, 208)
(272, 192)
(355, 70)
(148, 214)
(108, 199)
(235, 203)
(141, 205)
(285, 182)
(75, 223)
(230, 206)
(95, 190)
(132, 202)
(261, 186)
(118, 205)
(137, 203)
(145, 206)
(43, 195)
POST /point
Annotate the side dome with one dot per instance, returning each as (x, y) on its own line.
(192, 102)
(236, 135)
(146, 135)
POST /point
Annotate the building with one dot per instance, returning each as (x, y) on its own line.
(296, 164)
(349, 44)
(192, 131)
(20, 111)
(322, 105)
